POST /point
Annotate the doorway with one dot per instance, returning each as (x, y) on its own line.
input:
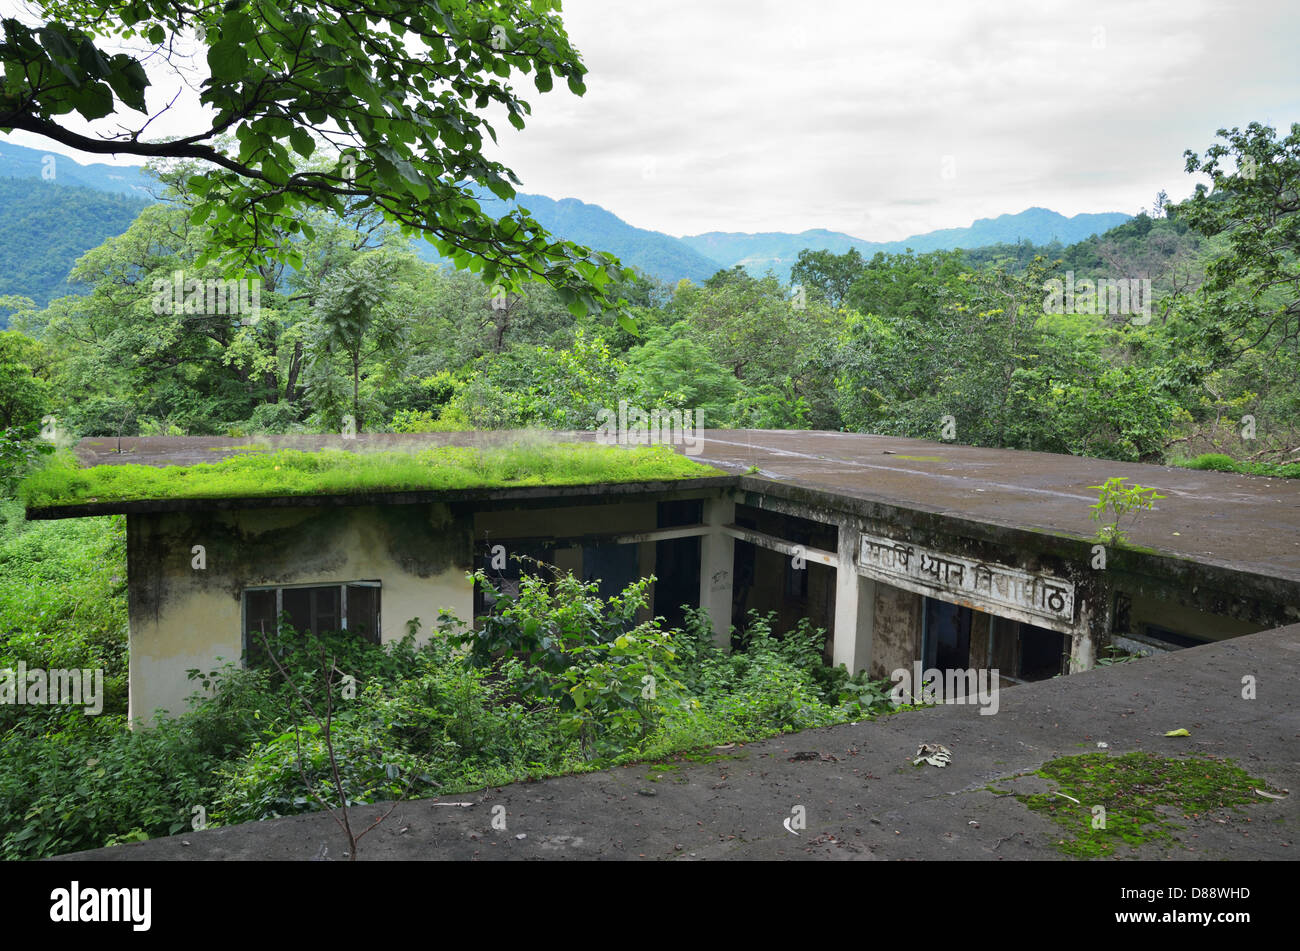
(945, 635)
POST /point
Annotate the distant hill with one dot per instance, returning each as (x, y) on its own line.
(16, 161)
(779, 250)
(45, 227)
(45, 224)
(655, 253)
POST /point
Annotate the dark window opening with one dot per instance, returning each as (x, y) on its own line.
(679, 512)
(791, 528)
(316, 609)
(796, 580)
(611, 565)
(947, 635)
(1171, 638)
(520, 560)
(1043, 653)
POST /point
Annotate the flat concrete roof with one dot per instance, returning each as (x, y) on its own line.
(1244, 523)
(863, 796)
(161, 451)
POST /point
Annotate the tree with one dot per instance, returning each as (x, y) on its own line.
(350, 319)
(23, 395)
(828, 276)
(393, 91)
(1253, 288)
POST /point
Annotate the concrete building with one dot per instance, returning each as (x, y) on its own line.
(904, 551)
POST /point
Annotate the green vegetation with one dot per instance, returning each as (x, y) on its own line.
(1120, 499)
(958, 345)
(554, 683)
(279, 133)
(35, 258)
(1223, 463)
(291, 472)
(1140, 793)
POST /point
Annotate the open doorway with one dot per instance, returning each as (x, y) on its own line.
(1043, 653)
(945, 636)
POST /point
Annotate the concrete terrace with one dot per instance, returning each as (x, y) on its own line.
(1243, 523)
(1248, 523)
(863, 797)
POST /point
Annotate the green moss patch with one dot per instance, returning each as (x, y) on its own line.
(1141, 794)
(1219, 462)
(335, 472)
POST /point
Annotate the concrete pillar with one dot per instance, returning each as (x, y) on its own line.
(855, 606)
(717, 564)
(1095, 594)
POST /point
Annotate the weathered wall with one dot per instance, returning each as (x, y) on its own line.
(897, 632)
(183, 618)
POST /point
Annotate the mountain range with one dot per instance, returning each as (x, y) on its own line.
(35, 193)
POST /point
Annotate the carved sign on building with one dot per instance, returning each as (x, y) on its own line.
(985, 584)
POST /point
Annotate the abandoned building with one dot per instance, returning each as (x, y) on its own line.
(903, 550)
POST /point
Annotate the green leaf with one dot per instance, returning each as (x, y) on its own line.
(56, 43)
(227, 60)
(302, 141)
(93, 101)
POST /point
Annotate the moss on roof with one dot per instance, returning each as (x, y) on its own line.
(335, 472)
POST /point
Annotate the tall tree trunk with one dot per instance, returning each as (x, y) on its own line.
(295, 367)
(356, 384)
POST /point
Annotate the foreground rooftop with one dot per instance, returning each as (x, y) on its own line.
(864, 798)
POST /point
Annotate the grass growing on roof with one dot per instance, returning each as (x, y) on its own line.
(333, 471)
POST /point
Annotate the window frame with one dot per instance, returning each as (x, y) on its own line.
(279, 590)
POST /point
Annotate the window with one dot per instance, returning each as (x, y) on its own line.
(1170, 640)
(353, 607)
(522, 558)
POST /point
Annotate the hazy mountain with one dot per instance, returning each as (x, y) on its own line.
(779, 250)
(43, 229)
(658, 254)
(17, 161)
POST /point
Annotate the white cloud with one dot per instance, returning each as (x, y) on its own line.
(751, 115)
(777, 117)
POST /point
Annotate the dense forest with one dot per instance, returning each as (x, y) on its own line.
(894, 344)
(45, 226)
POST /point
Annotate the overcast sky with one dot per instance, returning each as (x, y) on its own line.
(885, 120)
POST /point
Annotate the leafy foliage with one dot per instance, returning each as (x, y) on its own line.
(1120, 499)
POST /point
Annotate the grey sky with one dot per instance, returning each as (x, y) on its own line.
(885, 120)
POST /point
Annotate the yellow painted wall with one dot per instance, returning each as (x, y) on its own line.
(183, 618)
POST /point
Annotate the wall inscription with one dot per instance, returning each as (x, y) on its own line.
(989, 583)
